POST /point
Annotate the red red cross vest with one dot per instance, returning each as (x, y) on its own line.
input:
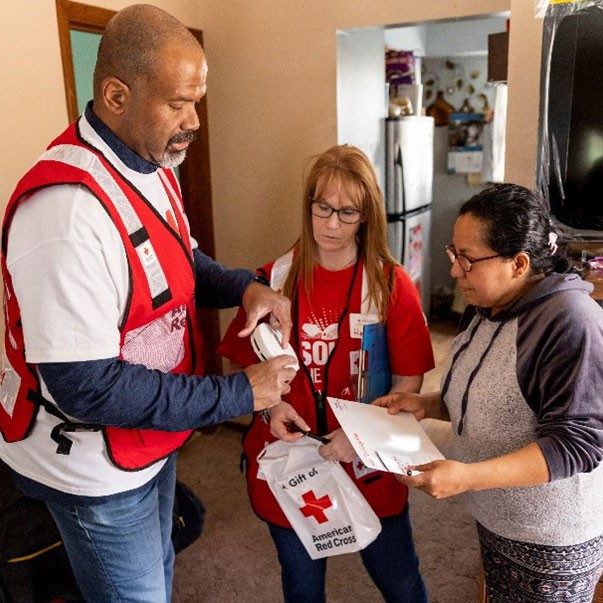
(161, 294)
(382, 491)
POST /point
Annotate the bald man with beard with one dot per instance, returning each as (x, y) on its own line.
(101, 382)
(150, 73)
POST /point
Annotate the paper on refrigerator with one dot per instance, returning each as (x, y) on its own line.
(383, 441)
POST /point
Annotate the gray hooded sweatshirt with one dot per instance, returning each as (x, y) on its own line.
(534, 373)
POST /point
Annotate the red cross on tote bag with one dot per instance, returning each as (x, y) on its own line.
(323, 505)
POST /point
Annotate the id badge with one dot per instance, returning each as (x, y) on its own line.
(357, 322)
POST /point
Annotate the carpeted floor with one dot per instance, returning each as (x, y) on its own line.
(234, 560)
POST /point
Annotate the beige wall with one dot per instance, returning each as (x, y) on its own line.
(272, 97)
(32, 100)
(525, 43)
(272, 104)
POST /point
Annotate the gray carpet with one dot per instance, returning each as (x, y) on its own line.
(234, 560)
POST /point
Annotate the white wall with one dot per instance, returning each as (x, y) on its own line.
(451, 38)
(361, 95)
(462, 37)
(413, 37)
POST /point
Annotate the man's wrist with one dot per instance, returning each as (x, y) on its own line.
(261, 279)
(257, 279)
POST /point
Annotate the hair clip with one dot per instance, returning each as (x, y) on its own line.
(553, 236)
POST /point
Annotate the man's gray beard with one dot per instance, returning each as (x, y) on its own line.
(172, 160)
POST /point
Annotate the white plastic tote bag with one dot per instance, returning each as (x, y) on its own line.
(323, 505)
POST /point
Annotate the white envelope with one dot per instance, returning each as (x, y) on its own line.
(383, 441)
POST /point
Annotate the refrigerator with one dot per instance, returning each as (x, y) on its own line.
(408, 196)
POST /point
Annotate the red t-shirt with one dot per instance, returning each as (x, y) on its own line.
(408, 338)
(318, 327)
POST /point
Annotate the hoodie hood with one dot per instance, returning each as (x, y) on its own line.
(550, 285)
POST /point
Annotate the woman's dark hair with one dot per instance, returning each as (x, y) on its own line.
(516, 219)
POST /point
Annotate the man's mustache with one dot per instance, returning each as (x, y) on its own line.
(183, 137)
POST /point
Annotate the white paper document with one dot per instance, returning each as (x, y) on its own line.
(383, 441)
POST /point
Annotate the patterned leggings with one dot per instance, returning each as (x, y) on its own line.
(521, 572)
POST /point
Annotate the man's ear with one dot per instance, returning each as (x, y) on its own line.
(521, 263)
(115, 94)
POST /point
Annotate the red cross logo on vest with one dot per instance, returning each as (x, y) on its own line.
(316, 507)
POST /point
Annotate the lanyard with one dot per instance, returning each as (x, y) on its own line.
(320, 397)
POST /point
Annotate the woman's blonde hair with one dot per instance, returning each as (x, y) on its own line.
(350, 168)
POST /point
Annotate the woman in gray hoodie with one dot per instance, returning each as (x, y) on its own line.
(524, 392)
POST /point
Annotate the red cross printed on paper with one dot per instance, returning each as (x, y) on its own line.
(146, 251)
(316, 507)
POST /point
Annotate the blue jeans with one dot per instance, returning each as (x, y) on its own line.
(121, 548)
(390, 560)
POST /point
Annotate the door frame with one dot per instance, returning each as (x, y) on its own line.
(195, 176)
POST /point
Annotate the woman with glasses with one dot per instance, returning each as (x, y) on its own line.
(340, 275)
(524, 392)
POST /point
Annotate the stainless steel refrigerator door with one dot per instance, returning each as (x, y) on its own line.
(409, 163)
(395, 239)
(416, 254)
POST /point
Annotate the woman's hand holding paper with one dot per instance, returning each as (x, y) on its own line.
(422, 406)
(440, 479)
(403, 402)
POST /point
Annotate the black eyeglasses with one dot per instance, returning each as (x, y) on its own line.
(347, 215)
(464, 262)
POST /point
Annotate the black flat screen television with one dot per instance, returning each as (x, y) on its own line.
(575, 120)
